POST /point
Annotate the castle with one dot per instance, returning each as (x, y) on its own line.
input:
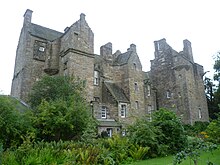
(117, 88)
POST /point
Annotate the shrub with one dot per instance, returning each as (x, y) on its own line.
(15, 122)
(172, 129)
(193, 150)
(144, 134)
(213, 130)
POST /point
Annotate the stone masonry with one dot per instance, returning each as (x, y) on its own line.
(116, 87)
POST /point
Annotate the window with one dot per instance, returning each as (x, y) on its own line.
(148, 90)
(41, 49)
(149, 109)
(65, 65)
(158, 46)
(200, 113)
(135, 87)
(123, 108)
(103, 112)
(136, 104)
(123, 133)
(109, 132)
(168, 94)
(135, 66)
(96, 78)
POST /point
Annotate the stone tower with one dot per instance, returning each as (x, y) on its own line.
(179, 82)
(44, 51)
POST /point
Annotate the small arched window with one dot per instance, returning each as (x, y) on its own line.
(135, 66)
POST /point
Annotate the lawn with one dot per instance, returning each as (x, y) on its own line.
(214, 158)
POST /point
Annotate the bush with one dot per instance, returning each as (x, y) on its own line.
(143, 133)
(15, 122)
(213, 130)
(172, 129)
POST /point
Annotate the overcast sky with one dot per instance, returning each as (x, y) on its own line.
(121, 22)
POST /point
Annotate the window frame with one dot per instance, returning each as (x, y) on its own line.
(96, 77)
(103, 112)
(122, 110)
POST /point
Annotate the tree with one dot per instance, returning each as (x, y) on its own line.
(210, 96)
(172, 129)
(216, 67)
(57, 87)
(15, 122)
(61, 112)
(214, 95)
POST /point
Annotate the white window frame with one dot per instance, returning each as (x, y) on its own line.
(96, 78)
(103, 112)
(122, 110)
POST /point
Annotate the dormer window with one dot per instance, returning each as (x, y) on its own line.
(122, 110)
(103, 112)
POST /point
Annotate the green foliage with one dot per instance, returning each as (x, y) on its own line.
(15, 122)
(172, 129)
(118, 146)
(60, 119)
(164, 135)
(194, 150)
(61, 112)
(143, 133)
(213, 130)
(137, 152)
(216, 67)
(196, 128)
(57, 87)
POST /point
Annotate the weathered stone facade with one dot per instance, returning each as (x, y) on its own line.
(117, 88)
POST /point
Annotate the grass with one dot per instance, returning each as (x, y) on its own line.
(214, 158)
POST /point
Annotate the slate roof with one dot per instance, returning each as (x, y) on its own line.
(122, 58)
(116, 92)
(43, 32)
